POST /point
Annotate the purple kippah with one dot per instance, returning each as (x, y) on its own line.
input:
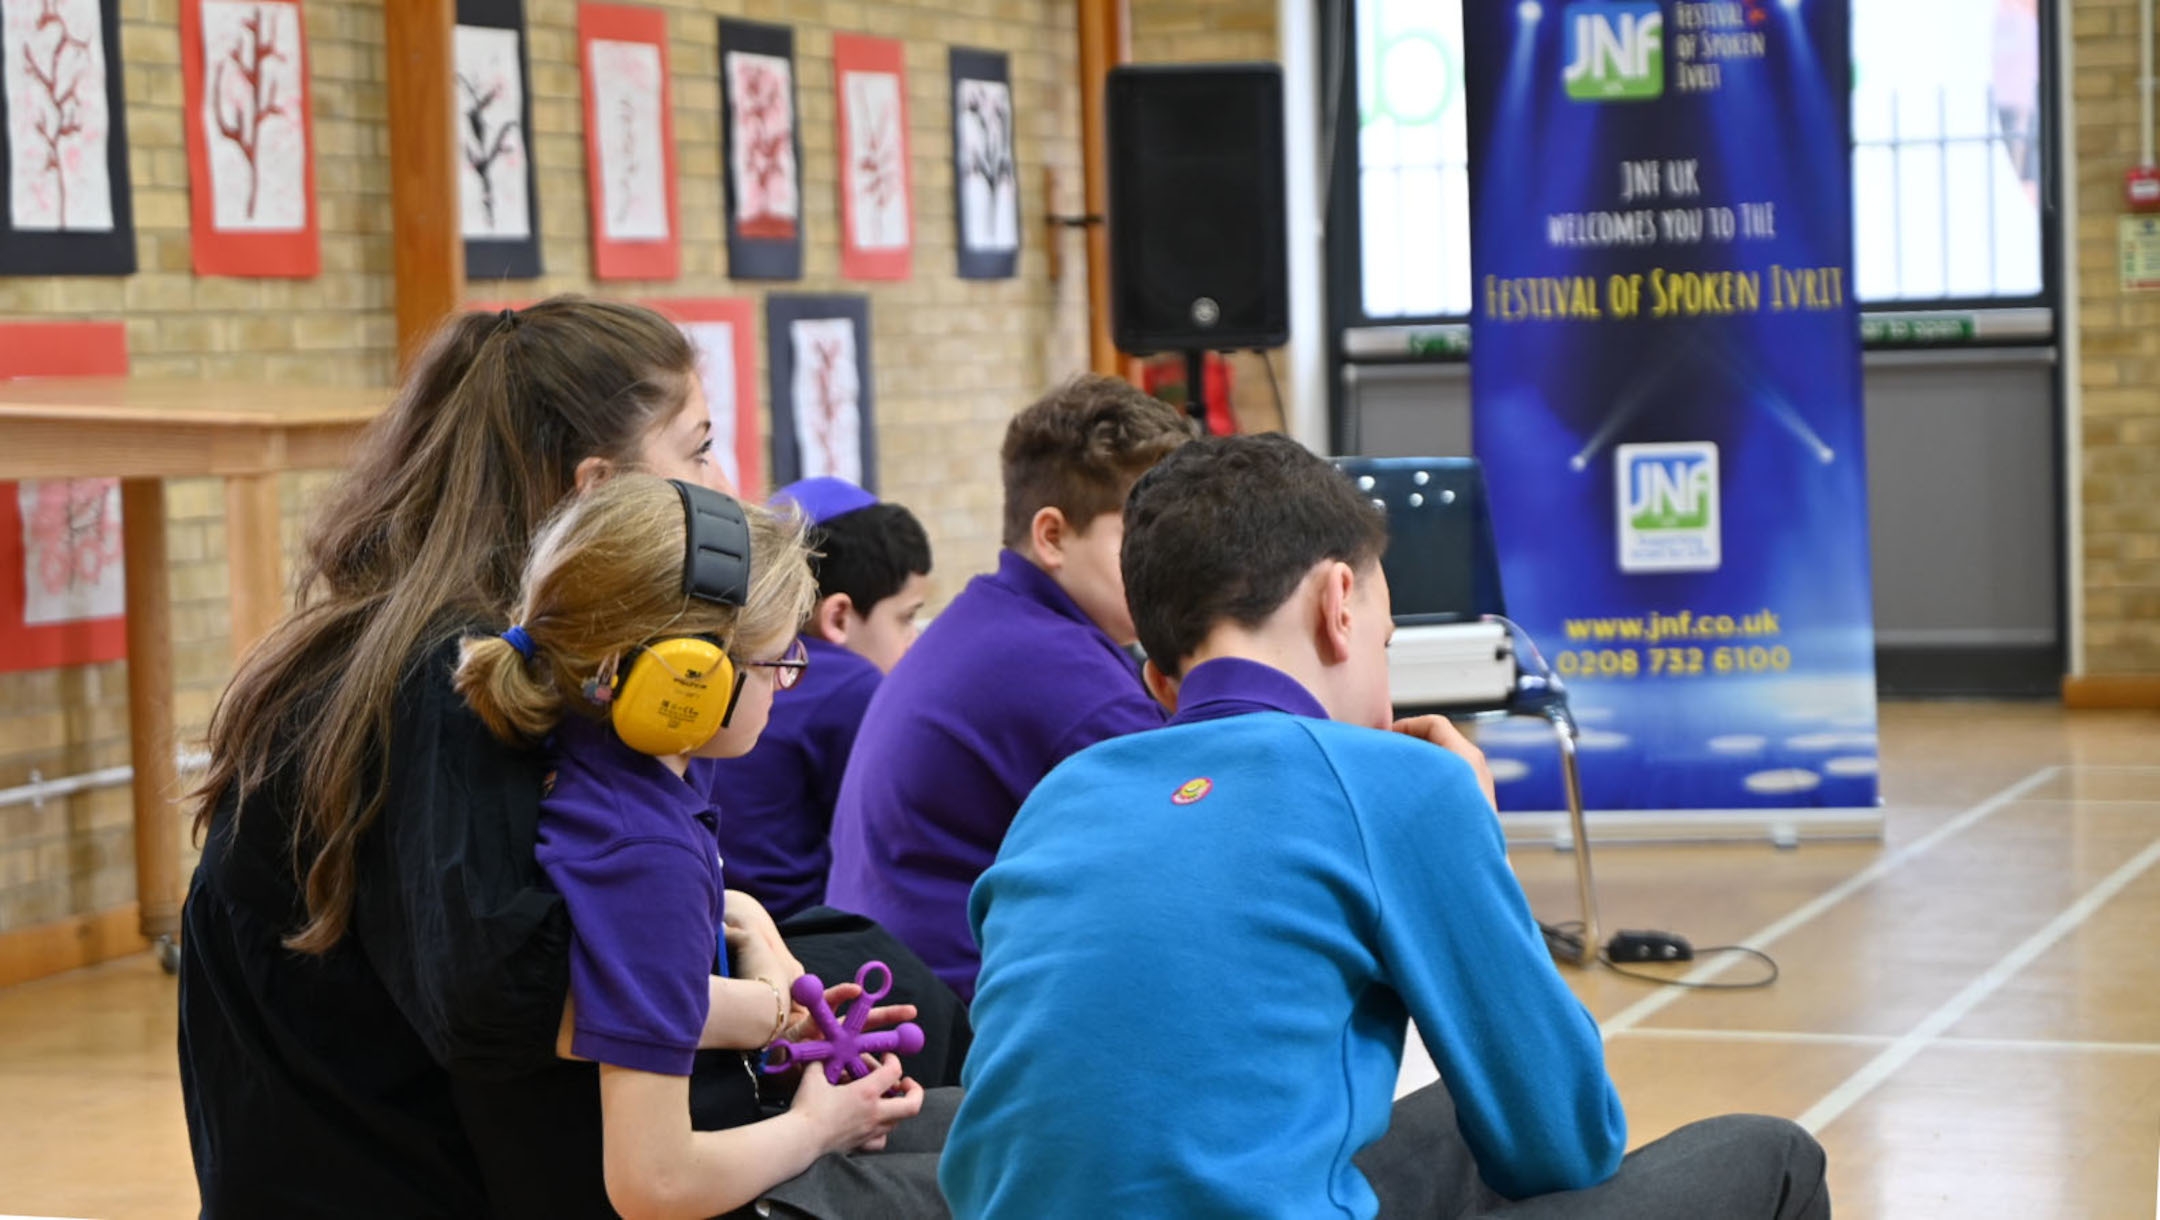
(823, 498)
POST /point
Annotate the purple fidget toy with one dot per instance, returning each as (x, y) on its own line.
(842, 1048)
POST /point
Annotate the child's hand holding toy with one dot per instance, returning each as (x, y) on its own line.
(846, 1048)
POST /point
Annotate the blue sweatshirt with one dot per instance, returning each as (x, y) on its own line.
(1200, 948)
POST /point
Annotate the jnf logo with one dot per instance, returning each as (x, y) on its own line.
(1668, 507)
(1615, 50)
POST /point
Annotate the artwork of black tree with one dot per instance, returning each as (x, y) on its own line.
(986, 181)
(63, 140)
(499, 202)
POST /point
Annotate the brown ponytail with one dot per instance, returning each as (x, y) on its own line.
(427, 534)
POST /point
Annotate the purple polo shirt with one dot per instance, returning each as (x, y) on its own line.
(777, 800)
(1234, 686)
(1008, 682)
(632, 849)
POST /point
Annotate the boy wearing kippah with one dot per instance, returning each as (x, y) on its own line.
(1023, 669)
(873, 569)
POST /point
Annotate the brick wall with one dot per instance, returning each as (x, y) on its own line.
(2119, 444)
(75, 855)
(1200, 31)
(953, 359)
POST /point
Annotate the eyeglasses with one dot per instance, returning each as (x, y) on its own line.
(789, 668)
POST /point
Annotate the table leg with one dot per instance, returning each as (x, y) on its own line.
(1585, 885)
(150, 707)
(253, 550)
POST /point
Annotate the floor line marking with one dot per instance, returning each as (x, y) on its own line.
(1804, 1038)
(1957, 1007)
(1656, 1002)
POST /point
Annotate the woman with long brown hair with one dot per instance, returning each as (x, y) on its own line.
(373, 972)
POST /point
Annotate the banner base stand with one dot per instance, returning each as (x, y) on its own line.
(1778, 827)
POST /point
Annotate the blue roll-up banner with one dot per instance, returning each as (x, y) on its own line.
(1665, 377)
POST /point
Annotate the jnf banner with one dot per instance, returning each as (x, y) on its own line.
(1666, 383)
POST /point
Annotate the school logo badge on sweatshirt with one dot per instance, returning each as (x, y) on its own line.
(1192, 791)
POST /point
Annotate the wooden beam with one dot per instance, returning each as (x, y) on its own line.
(254, 555)
(2116, 692)
(150, 706)
(68, 944)
(1104, 43)
(425, 221)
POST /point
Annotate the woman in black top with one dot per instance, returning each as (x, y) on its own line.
(373, 973)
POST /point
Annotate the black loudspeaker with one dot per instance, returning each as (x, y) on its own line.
(1198, 257)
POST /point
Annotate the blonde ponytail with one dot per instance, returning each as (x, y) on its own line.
(606, 575)
(517, 701)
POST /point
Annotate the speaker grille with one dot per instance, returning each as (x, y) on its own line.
(1196, 207)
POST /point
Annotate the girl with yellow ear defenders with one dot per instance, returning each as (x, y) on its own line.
(655, 622)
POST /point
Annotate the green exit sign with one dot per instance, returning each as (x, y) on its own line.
(1917, 329)
(1446, 341)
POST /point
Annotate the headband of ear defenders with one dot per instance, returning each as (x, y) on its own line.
(716, 567)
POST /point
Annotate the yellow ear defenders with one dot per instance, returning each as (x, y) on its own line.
(677, 691)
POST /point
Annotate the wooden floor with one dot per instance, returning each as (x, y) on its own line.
(1969, 1016)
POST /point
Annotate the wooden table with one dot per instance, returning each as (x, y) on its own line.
(145, 432)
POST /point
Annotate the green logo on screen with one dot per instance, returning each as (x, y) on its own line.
(1615, 51)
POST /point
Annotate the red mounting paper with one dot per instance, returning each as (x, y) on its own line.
(250, 138)
(877, 209)
(629, 143)
(60, 561)
(724, 329)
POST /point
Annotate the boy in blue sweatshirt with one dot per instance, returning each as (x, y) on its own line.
(1201, 944)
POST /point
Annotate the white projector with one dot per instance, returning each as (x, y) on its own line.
(1446, 666)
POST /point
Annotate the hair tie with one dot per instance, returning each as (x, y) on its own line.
(507, 318)
(516, 638)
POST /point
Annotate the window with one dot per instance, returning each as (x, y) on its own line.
(1947, 155)
(1413, 155)
(1946, 149)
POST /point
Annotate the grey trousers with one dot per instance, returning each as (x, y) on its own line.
(1739, 1167)
(899, 1183)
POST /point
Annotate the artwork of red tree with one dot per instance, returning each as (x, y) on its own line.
(626, 159)
(767, 129)
(825, 412)
(483, 150)
(74, 539)
(878, 170)
(249, 58)
(60, 75)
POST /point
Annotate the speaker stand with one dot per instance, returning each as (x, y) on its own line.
(1196, 403)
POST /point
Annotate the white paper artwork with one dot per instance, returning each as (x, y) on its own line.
(878, 209)
(828, 416)
(989, 191)
(625, 79)
(715, 344)
(761, 149)
(72, 567)
(491, 134)
(251, 117)
(57, 172)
